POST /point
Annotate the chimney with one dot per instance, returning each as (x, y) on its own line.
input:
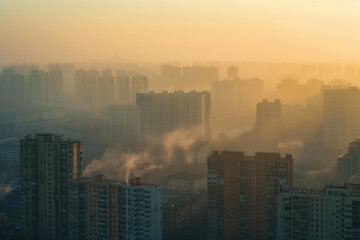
(136, 181)
(99, 178)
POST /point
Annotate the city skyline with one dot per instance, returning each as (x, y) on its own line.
(179, 120)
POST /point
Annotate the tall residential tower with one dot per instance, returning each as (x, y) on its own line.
(48, 163)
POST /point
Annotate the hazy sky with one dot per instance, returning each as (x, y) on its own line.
(184, 30)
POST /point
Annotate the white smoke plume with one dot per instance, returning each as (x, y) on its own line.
(290, 144)
(116, 163)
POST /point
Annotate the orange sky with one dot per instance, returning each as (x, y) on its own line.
(158, 30)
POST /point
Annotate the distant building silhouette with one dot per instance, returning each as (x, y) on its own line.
(268, 118)
(106, 88)
(56, 84)
(232, 73)
(125, 120)
(341, 117)
(87, 86)
(39, 88)
(12, 89)
(123, 89)
(172, 76)
(199, 77)
(164, 112)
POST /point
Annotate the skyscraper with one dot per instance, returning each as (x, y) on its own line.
(106, 88)
(87, 86)
(224, 96)
(123, 90)
(199, 77)
(139, 84)
(68, 71)
(39, 88)
(242, 193)
(12, 88)
(56, 84)
(125, 120)
(268, 118)
(48, 163)
(171, 75)
(112, 209)
(24, 69)
(341, 117)
(164, 112)
(291, 92)
(250, 92)
(232, 73)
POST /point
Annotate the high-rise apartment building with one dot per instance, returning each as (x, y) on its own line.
(172, 76)
(164, 112)
(341, 117)
(349, 163)
(12, 88)
(87, 85)
(48, 163)
(250, 92)
(125, 120)
(25, 69)
(331, 213)
(39, 88)
(68, 71)
(112, 209)
(128, 86)
(268, 118)
(242, 193)
(106, 88)
(291, 92)
(139, 84)
(123, 89)
(56, 84)
(224, 96)
(232, 73)
(199, 77)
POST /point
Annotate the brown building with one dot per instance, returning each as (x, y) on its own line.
(242, 193)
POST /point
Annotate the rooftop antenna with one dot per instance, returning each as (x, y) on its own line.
(34, 132)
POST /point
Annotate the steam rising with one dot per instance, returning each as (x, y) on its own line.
(290, 144)
(116, 163)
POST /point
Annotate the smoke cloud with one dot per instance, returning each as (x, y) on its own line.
(290, 144)
(116, 163)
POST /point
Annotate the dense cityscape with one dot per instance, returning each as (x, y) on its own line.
(103, 135)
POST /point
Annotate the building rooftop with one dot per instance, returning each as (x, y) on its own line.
(101, 180)
(186, 176)
(174, 199)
